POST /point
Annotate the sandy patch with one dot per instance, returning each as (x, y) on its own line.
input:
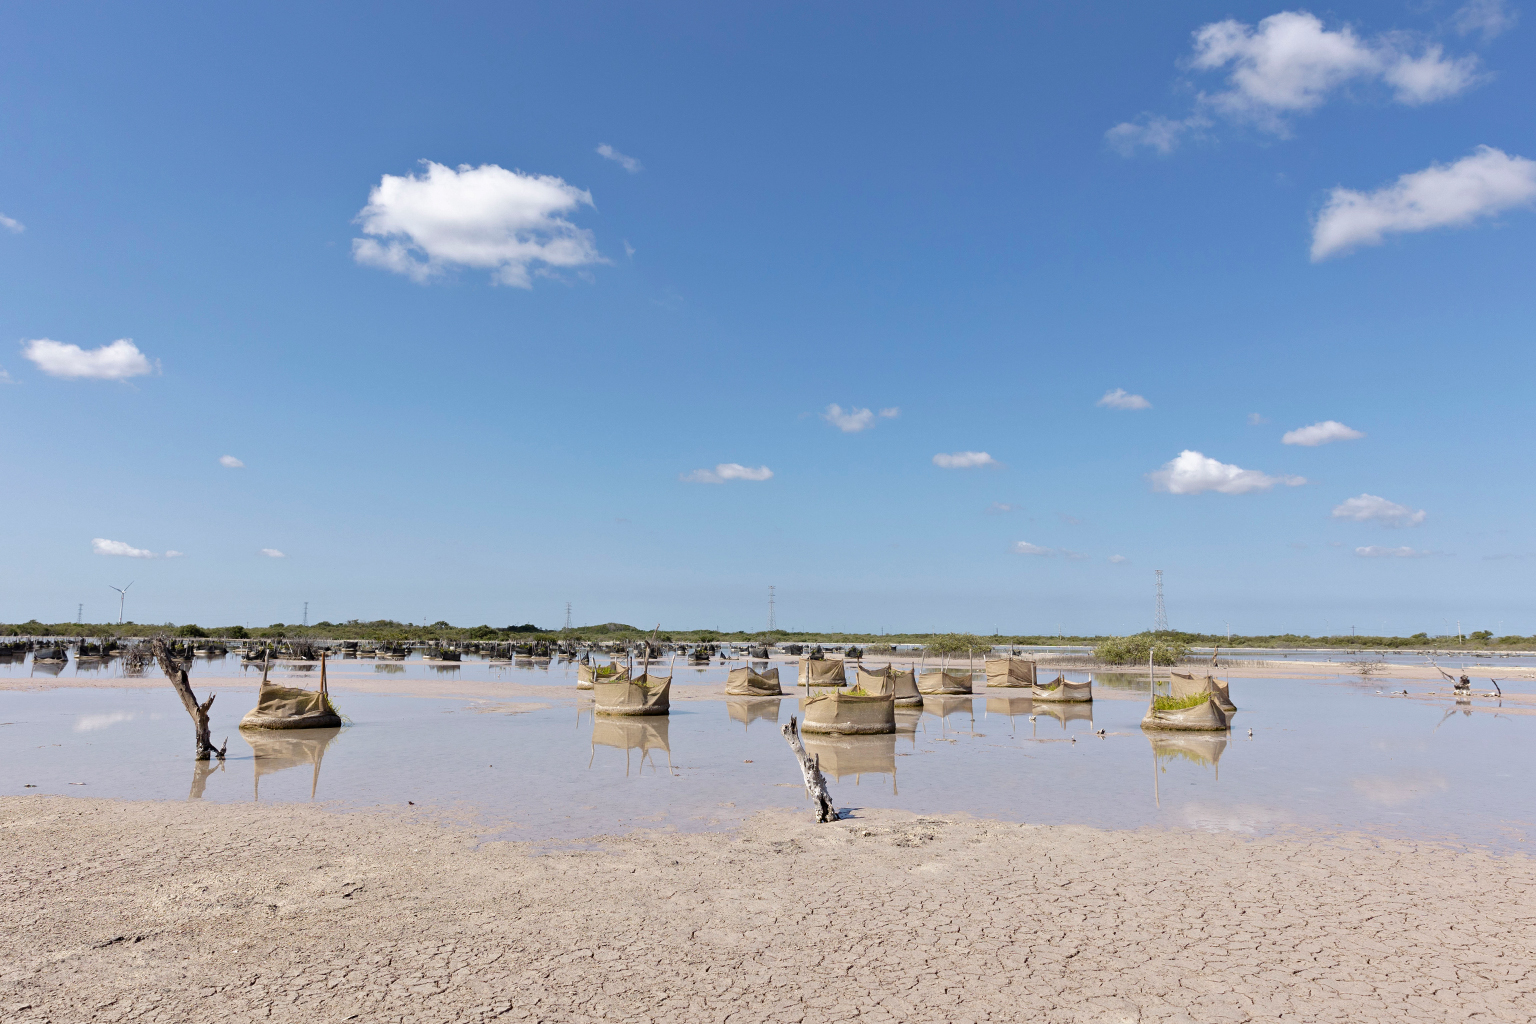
(196, 912)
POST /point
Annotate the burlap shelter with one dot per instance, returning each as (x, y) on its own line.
(586, 675)
(944, 680)
(1189, 685)
(1207, 717)
(877, 682)
(904, 682)
(822, 672)
(1006, 672)
(1059, 689)
(746, 682)
(643, 695)
(841, 713)
(288, 707)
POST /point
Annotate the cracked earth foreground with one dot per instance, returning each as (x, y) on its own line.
(190, 912)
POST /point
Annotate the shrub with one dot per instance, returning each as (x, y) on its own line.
(191, 629)
(1133, 650)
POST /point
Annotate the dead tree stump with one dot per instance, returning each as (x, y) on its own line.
(199, 712)
(810, 768)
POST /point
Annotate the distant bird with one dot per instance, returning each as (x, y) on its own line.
(1250, 734)
(1074, 739)
(1031, 718)
(1100, 733)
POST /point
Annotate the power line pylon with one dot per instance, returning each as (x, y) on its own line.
(1162, 613)
(772, 624)
(567, 615)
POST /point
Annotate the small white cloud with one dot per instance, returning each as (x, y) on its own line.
(1372, 551)
(117, 361)
(273, 553)
(5, 378)
(1255, 420)
(12, 225)
(1487, 18)
(1024, 547)
(1160, 134)
(1369, 508)
(629, 250)
(999, 507)
(1119, 398)
(1192, 473)
(173, 554)
(230, 462)
(1486, 183)
(483, 217)
(963, 460)
(629, 163)
(1320, 433)
(102, 546)
(850, 422)
(890, 413)
(1118, 559)
(727, 471)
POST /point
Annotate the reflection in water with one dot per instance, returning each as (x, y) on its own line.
(747, 710)
(47, 668)
(444, 670)
(942, 707)
(388, 668)
(200, 772)
(841, 756)
(1121, 680)
(1201, 748)
(278, 749)
(645, 733)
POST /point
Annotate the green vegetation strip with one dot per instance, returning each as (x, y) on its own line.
(1194, 700)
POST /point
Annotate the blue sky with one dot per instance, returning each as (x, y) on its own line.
(477, 390)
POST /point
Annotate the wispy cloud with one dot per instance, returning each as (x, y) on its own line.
(1369, 508)
(273, 553)
(727, 471)
(1255, 420)
(173, 554)
(998, 507)
(1119, 398)
(1024, 547)
(117, 361)
(629, 163)
(1192, 473)
(485, 217)
(851, 421)
(102, 546)
(1290, 64)
(1373, 551)
(963, 460)
(1486, 18)
(1487, 182)
(12, 225)
(1071, 520)
(1320, 433)
(230, 462)
(1118, 559)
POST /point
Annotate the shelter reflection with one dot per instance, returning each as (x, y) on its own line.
(942, 707)
(280, 749)
(1200, 748)
(747, 710)
(842, 756)
(630, 733)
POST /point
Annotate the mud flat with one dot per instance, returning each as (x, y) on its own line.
(192, 912)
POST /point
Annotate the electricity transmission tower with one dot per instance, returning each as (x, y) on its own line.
(1162, 613)
(772, 625)
(567, 615)
(306, 614)
(80, 615)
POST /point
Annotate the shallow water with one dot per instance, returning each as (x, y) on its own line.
(1323, 753)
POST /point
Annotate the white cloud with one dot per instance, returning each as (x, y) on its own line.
(173, 554)
(484, 217)
(117, 361)
(1487, 18)
(5, 378)
(1118, 559)
(1254, 419)
(1291, 64)
(1485, 183)
(963, 460)
(1192, 473)
(230, 462)
(1372, 551)
(629, 163)
(998, 506)
(851, 421)
(1155, 132)
(1320, 433)
(273, 553)
(12, 225)
(102, 546)
(1119, 398)
(1024, 547)
(727, 471)
(1370, 508)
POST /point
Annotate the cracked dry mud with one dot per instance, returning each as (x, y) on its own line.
(190, 912)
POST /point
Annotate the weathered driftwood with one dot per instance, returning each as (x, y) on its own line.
(810, 768)
(199, 712)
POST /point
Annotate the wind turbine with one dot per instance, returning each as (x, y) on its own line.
(122, 596)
